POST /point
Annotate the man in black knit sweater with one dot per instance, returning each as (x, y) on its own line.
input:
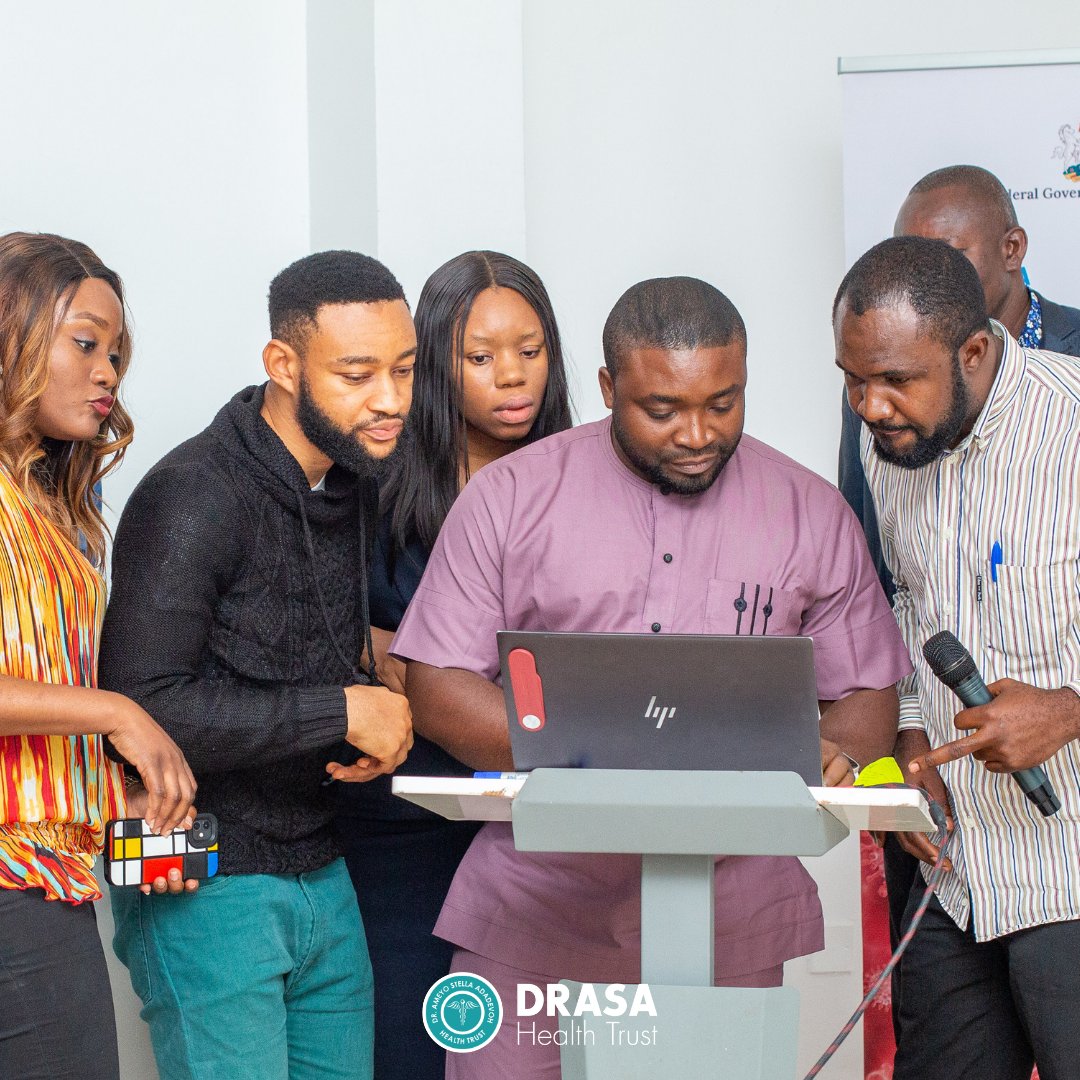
(238, 620)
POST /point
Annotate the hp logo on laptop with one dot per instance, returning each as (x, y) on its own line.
(658, 713)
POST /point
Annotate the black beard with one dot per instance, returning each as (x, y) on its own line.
(930, 447)
(653, 471)
(342, 447)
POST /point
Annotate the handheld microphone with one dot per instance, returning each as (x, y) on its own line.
(953, 665)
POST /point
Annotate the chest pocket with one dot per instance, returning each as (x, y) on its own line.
(750, 607)
(1028, 621)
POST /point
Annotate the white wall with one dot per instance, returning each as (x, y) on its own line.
(343, 169)
(704, 137)
(449, 132)
(603, 142)
(173, 139)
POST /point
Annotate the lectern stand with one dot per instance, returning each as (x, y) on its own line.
(678, 822)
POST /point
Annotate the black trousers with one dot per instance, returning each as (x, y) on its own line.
(990, 1010)
(901, 876)
(56, 1008)
(402, 875)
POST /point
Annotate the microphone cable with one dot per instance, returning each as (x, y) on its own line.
(944, 841)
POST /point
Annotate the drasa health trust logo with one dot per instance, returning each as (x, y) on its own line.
(462, 1012)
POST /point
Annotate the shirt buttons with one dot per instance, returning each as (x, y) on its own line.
(667, 557)
(656, 628)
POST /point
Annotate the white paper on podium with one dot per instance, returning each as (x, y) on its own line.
(460, 798)
(868, 809)
(468, 799)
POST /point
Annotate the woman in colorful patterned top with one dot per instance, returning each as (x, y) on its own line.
(64, 347)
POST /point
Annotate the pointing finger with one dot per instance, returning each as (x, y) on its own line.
(949, 752)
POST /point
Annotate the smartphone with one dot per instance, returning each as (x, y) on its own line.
(135, 855)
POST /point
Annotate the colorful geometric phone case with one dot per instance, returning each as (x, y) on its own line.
(136, 856)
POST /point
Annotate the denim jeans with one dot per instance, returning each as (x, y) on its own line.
(402, 876)
(254, 977)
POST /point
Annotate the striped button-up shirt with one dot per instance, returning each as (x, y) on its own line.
(1014, 482)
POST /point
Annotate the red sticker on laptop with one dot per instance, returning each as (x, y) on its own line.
(527, 688)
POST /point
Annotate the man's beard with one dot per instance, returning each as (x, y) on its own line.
(930, 447)
(342, 447)
(653, 470)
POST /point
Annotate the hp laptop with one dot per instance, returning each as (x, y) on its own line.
(646, 701)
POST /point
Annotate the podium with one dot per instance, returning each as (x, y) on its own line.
(679, 822)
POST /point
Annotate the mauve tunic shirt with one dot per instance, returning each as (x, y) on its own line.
(562, 536)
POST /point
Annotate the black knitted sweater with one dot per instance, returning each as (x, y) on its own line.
(238, 612)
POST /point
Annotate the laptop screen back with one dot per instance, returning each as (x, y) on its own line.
(673, 701)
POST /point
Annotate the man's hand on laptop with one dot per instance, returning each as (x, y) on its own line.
(380, 726)
(836, 769)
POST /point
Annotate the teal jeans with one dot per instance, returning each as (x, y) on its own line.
(254, 977)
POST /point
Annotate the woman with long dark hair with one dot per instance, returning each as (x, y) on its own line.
(489, 378)
(64, 349)
(451, 435)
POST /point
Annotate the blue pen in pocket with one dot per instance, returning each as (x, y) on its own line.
(995, 560)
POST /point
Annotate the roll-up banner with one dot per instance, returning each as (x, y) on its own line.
(1016, 114)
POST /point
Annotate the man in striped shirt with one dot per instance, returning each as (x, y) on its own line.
(971, 446)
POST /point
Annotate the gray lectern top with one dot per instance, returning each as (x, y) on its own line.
(671, 813)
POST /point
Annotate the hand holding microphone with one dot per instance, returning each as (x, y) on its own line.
(1016, 727)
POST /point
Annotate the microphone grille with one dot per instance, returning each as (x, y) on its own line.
(948, 659)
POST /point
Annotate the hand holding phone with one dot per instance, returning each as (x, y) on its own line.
(136, 855)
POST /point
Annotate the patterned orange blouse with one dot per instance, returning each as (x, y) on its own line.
(56, 792)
